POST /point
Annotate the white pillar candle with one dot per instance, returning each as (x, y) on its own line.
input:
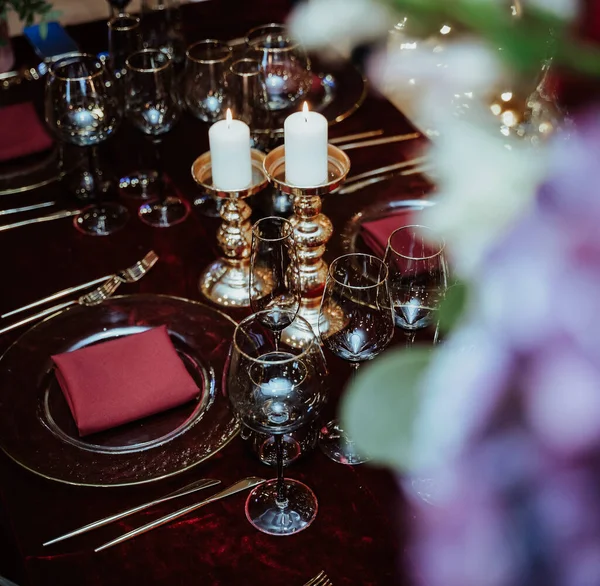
(305, 137)
(230, 154)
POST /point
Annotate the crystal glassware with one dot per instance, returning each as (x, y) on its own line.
(356, 323)
(118, 6)
(205, 79)
(274, 288)
(276, 390)
(417, 275)
(82, 109)
(124, 38)
(249, 100)
(153, 107)
(162, 27)
(284, 62)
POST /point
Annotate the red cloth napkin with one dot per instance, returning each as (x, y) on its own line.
(21, 132)
(123, 380)
(376, 233)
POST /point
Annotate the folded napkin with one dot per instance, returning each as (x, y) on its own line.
(377, 232)
(21, 132)
(116, 382)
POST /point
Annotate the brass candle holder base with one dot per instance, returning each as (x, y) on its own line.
(312, 229)
(227, 280)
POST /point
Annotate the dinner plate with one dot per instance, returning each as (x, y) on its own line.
(38, 431)
(401, 208)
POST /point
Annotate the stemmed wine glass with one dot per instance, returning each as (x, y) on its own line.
(118, 6)
(82, 109)
(276, 390)
(356, 323)
(417, 276)
(274, 287)
(153, 106)
(284, 62)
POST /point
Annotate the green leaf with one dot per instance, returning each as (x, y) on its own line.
(380, 405)
(453, 306)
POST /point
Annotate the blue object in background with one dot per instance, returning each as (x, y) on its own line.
(56, 42)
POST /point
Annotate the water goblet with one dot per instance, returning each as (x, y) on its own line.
(276, 390)
(417, 276)
(274, 290)
(82, 109)
(153, 107)
(284, 62)
(124, 38)
(205, 79)
(356, 323)
(162, 27)
(249, 100)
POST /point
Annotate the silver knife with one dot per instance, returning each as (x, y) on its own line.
(240, 485)
(190, 488)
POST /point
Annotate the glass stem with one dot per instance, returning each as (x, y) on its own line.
(160, 178)
(93, 169)
(354, 366)
(277, 339)
(281, 498)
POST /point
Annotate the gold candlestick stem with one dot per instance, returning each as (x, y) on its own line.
(312, 229)
(227, 280)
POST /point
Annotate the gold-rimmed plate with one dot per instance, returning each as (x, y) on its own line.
(36, 426)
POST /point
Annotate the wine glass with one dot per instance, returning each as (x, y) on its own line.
(162, 26)
(153, 107)
(124, 38)
(274, 287)
(356, 323)
(117, 7)
(249, 100)
(205, 79)
(276, 390)
(82, 109)
(284, 62)
(417, 275)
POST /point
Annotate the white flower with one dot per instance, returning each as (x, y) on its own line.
(324, 23)
(486, 181)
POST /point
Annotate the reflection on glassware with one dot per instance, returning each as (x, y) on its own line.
(274, 287)
(161, 24)
(284, 62)
(417, 275)
(205, 79)
(249, 100)
(276, 391)
(295, 444)
(152, 106)
(82, 108)
(118, 6)
(124, 38)
(356, 323)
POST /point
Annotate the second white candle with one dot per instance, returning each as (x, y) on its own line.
(305, 137)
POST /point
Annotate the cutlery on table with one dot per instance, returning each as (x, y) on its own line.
(238, 486)
(357, 136)
(189, 489)
(39, 219)
(320, 579)
(129, 275)
(35, 206)
(380, 141)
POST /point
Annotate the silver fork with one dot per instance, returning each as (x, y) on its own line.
(130, 275)
(94, 297)
(320, 579)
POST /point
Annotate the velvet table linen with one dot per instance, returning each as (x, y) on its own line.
(358, 535)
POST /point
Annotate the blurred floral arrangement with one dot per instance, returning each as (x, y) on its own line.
(503, 417)
(27, 10)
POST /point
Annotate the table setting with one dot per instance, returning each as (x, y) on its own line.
(165, 382)
(259, 327)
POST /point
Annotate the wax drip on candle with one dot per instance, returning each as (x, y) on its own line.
(228, 117)
(305, 111)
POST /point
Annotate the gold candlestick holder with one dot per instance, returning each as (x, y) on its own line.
(312, 229)
(227, 280)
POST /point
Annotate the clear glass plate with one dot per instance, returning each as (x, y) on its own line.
(36, 426)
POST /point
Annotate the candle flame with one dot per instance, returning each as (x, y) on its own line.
(228, 116)
(305, 111)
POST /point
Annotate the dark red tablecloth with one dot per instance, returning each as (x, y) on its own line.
(357, 537)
